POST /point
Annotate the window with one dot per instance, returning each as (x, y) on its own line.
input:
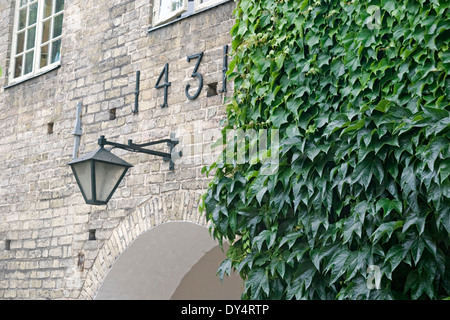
(36, 45)
(201, 4)
(167, 10)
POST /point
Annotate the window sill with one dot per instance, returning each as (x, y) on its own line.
(15, 83)
(151, 29)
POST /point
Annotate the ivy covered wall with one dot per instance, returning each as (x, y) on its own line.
(359, 207)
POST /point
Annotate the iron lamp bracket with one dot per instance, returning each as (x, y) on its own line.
(134, 147)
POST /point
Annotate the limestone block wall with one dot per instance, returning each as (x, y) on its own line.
(44, 222)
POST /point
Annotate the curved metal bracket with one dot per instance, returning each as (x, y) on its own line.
(172, 142)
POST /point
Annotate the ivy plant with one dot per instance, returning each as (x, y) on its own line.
(358, 208)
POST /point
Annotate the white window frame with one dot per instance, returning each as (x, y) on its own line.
(36, 68)
(183, 12)
(200, 5)
(158, 20)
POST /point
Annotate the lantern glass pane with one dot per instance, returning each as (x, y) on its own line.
(83, 172)
(107, 177)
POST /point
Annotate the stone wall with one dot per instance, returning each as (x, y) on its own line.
(44, 222)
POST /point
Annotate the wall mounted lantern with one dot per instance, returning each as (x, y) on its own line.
(99, 173)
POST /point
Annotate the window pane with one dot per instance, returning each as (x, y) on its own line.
(33, 14)
(44, 56)
(47, 8)
(18, 67)
(176, 4)
(56, 48)
(46, 31)
(29, 62)
(106, 177)
(22, 18)
(59, 5)
(23, 2)
(20, 42)
(82, 171)
(57, 26)
(31, 38)
(168, 6)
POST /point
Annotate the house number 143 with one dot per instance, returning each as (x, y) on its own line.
(195, 74)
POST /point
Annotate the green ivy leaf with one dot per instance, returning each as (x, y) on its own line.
(255, 187)
(337, 67)
(386, 228)
(257, 281)
(337, 264)
(224, 268)
(279, 117)
(395, 255)
(351, 226)
(388, 205)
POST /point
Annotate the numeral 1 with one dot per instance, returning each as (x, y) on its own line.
(225, 68)
(165, 85)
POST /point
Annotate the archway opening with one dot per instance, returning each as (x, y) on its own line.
(175, 260)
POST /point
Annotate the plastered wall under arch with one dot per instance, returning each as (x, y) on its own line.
(174, 260)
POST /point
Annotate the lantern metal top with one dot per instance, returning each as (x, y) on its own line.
(101, 154)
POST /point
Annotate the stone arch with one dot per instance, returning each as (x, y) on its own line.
(175, 207)
(174, 260)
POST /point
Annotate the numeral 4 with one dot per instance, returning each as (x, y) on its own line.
(164, 85)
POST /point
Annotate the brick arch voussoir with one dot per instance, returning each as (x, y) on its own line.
(177, 206)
